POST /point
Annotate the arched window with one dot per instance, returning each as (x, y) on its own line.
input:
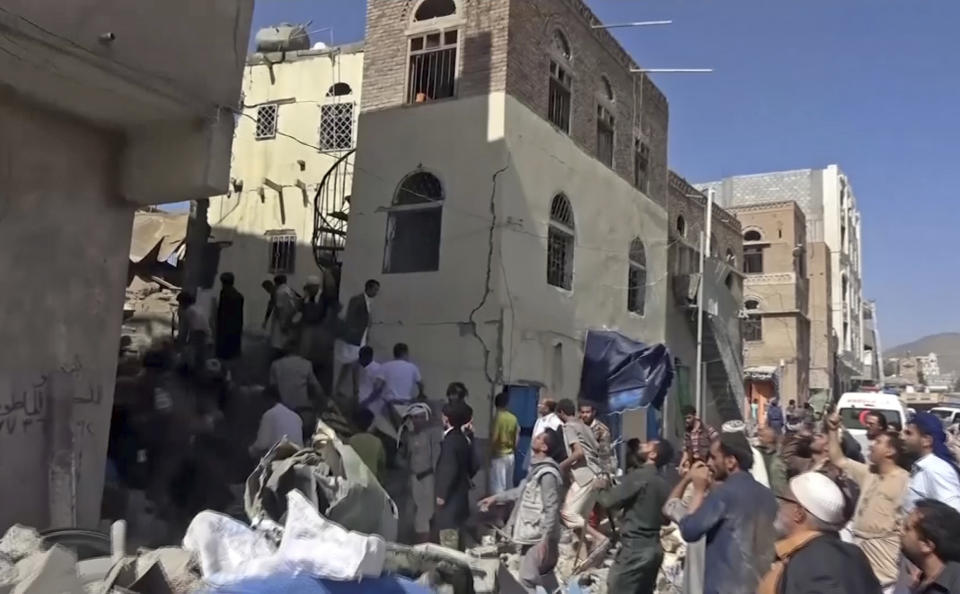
(560, 242)
(751, 327)
(606, 89)
(413, 225)
(560, 44)
(339, 90)
(752, 254)
(434, 9)
(681, 226)
(637, 278)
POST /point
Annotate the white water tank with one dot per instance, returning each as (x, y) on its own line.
(282, 38)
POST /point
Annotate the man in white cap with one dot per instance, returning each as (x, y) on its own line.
(811, 557)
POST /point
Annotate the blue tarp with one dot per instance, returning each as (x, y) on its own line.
(304, 584)
(622, 374)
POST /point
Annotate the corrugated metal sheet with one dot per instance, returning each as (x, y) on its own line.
(160, 233)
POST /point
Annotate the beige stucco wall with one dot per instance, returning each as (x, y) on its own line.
(523, 319)
(242, 218)
(822, 346)
(64, 239)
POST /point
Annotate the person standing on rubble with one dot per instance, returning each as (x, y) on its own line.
(419, 447)
(292, 377)
(534, 523)
(285, 306)
(641, 495)
(229, 333)
(455, 468)
(353, 331)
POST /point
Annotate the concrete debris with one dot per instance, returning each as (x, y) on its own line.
(50, 572)
(20, 542)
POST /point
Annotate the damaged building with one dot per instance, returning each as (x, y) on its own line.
(509, 193)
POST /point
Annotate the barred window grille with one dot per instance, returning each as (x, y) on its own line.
(605, 129)
(267, 116)
(637, 278)
(558, 108)
(336, 126)
(641, 166)
(433, 67)
(560, 244)
(283, 252)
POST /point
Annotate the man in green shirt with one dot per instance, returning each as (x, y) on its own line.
(368, 446)
(503, 442)
(641, 495)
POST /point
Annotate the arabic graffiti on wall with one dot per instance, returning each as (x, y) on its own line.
(24, 407)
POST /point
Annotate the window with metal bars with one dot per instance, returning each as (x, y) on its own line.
(558, 107)
(283, 251)
(267, 116)
(414, 225)
(637, 278)
(751, 327)
(336, 126)
(432, 67)
(560, 243)
(641, 166)
(605, 136)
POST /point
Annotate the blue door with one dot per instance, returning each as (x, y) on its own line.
(523, 404)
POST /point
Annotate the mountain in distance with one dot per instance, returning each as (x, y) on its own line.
(945, 345)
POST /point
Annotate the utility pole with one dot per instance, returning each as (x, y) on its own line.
(705, 246)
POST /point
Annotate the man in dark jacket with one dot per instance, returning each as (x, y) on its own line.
(455, 468)
(229, 330)
(352, 331)
(811, 557)
(641, 494)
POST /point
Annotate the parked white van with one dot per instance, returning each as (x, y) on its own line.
(948, 414)
(854, 406)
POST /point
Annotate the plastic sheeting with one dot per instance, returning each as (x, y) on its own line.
(306, 585)
(623, 374)
(231, 553)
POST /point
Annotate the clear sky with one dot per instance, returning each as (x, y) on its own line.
(872, 85)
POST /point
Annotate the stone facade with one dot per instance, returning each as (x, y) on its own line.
(823, 343)
(507, 45)
(780, 294)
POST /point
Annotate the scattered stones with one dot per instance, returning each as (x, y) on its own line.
(19, 543)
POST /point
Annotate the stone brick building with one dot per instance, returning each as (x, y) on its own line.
(509, 193)
(776, 325)
(722, 293)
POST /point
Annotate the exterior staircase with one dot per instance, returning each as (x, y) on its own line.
(724, 369)
(331, 213)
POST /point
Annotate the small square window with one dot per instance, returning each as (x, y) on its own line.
(450, 37)
(283, 252)
(416, 44)
(267, 121)
(433, 40)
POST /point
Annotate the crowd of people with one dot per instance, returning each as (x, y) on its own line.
(787, 504)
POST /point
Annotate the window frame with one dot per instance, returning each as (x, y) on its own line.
(322, 132)
(751, 327)
(750, 250)
(396, 210)
(565, 230)
(606, 126)
(637, 285)
(641, 152)
(257, 135)
(276, 237)
(443, 26)
(560, 82)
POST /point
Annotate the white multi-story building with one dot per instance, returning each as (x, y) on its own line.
(292, 169)
(929, 365)
(826, 198)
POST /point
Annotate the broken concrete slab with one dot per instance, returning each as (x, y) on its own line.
(20, 542)
(50, 572)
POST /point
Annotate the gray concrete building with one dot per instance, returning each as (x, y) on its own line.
(103, 108)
